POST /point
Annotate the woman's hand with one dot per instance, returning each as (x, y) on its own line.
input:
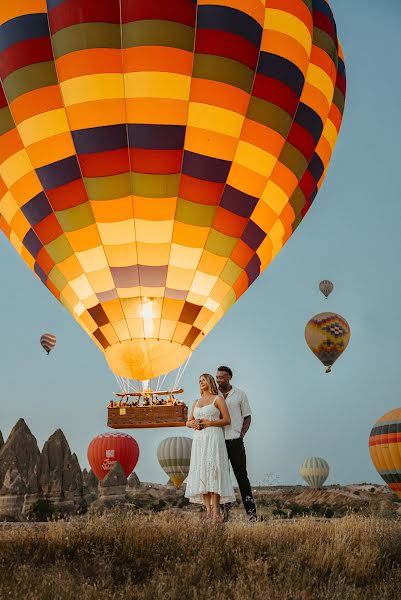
(194, 424)
(204, 423)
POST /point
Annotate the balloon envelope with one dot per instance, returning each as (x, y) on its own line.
(314, 471)
(385, 448)
(327, 335)
(174, 456)
(48, 341)
(156, 156)
(108, 448)
(326, 287)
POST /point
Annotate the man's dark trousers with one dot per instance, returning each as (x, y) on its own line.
(237, 457)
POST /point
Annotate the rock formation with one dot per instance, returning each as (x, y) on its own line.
(133, 481)
(19, 461)
(20, 452)
(1, 440)
(60, 474)
(91, 486)
(112, 489)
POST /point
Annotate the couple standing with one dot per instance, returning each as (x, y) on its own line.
(220, 418)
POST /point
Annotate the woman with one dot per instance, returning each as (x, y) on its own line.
(209, 481)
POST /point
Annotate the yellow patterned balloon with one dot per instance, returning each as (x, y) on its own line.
(385, 448)
(155, 155)
(327, 335)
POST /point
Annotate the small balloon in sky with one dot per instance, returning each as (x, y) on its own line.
(48, 341)
(327, 335)
(326, 287)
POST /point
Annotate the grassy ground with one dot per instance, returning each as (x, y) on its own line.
(147, 557)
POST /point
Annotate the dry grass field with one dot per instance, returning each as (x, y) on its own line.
(173, 556)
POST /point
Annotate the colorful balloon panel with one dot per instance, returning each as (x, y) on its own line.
(174, 455)
(327, 335)
(108, 448)
(385, 448)
(155, 156)
(314, 471)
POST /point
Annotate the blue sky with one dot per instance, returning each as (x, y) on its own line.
(350, 235)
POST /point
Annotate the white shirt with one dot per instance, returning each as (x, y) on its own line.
(238, 407)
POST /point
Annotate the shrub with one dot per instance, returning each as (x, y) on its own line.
(41, 510)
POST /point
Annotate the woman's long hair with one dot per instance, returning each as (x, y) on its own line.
(213, 389)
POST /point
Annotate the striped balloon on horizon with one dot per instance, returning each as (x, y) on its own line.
(314, 471)
(48, 341)
(174, 455)
(155, 156)
(385, 448)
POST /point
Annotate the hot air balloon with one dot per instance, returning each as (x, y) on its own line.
(48, 341)
(326, 287)
(327, 335)
(174, 455)
(108, 448)
(385, 448)
(314, 471)
(155, 156)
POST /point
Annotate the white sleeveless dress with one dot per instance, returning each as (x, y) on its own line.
(209, 468)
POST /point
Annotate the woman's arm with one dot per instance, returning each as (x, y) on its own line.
(225, 415)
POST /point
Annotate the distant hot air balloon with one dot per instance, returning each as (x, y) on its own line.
(48, 341)
(385, 448)
(326, 287)
(314, 471)
(174, 455)
(108, 448)
(327, 335)
(155, 156)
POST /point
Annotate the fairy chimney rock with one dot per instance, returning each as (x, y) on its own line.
(133, 481)
(92, 482)
(20, 452)
(60, 473)
(115, 482)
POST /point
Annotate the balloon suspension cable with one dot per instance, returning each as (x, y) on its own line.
(182, 371)
(163, 380)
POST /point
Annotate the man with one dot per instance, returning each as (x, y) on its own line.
(240, 413)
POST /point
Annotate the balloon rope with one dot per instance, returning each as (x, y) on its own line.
(177, 376)
(184, 367)
(163, 380)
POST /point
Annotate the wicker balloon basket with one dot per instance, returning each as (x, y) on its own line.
(148, 411)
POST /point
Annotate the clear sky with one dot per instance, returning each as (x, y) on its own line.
(351, 235)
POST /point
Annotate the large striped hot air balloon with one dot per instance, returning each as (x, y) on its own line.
(327, 335)
(156, 155)
(174, 456)
(314, 471)
(385, 448)
(48, 341)
(108, 448)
